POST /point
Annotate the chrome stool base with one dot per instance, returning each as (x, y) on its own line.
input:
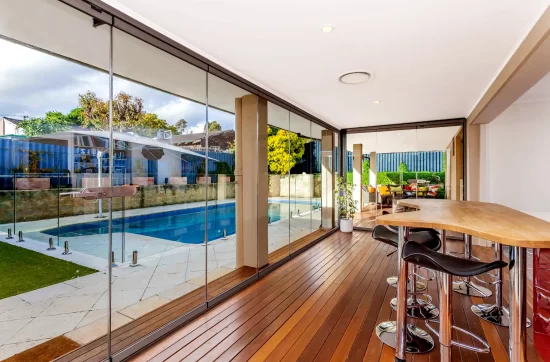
(420, 286)
(485, 349)
(418, 308)
(418, 340)
(494, 314)
(461, 287)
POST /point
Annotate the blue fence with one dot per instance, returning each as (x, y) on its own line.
(54, 163)
(428, 161)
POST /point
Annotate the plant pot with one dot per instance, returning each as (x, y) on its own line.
(346, 225)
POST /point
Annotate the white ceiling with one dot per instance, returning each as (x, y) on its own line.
(430, 59)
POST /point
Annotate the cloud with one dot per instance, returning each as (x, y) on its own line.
(33, 83)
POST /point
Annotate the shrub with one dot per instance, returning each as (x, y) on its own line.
(396, 178)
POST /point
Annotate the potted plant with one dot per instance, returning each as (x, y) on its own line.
(347, 206)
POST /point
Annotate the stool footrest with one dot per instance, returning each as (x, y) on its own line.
(496, 281)
(468, 288)
(429, 278)
(486, 348)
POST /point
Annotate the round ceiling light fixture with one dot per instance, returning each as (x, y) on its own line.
(376, 102)
(354, 77)
(327, 28)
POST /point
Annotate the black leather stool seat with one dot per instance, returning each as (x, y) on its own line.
(427, 238)
(418, 254)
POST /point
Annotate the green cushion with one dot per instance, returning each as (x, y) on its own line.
(397, 189)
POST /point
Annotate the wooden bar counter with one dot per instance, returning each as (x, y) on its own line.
(488, 221)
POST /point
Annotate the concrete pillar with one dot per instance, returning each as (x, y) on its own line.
(251, 181)
(327, 179)
(474, 170)
(372, 176)
(473, 162)
(358, 174)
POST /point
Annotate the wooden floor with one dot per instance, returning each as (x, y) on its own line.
(323, 306)
(367, 217)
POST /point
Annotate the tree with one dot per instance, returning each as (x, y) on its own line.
(93, 113)
(181, 125)
(52, 122)
(128, 115)
(149, 124)
(402, 167)
(366, 172)
(213, 126)
(284, 149)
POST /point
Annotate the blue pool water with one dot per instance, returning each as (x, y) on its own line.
(185, 226)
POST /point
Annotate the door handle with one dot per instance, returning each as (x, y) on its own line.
(96, 193)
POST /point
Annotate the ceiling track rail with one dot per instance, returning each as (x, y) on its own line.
(106, 14)
(404, 126)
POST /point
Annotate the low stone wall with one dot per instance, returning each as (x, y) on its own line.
(274, 186)
(304, 185)
(34, 205)
(297, 186)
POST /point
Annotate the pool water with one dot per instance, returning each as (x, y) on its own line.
(185, 226)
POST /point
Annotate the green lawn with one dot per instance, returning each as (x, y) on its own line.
(23, 270)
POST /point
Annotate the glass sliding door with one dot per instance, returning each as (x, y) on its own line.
(441, 163)
(361, 152)
(230, 141)
(279, 164)
(301, 181)
(54, 295)
(160, 235)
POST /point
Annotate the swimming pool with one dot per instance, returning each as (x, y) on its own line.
(185, 226)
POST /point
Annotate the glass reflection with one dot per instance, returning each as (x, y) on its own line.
(279, 164)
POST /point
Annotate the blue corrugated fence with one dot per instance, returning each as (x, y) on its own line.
(428, 161)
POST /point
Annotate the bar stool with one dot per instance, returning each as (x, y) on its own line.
(465, 286)
(448, 266)
(428, 237)
(495, 313)
(417, 340)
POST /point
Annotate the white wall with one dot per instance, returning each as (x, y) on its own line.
(10, 128)
(515, 152)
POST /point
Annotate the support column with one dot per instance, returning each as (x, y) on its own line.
(251, 189)
(327, 179)
(358, 174)
(372, 176)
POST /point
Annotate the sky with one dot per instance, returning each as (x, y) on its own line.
(33, 83)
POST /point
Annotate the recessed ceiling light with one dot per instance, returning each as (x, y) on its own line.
(327, 28)
(354, 77)
(376, 102)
